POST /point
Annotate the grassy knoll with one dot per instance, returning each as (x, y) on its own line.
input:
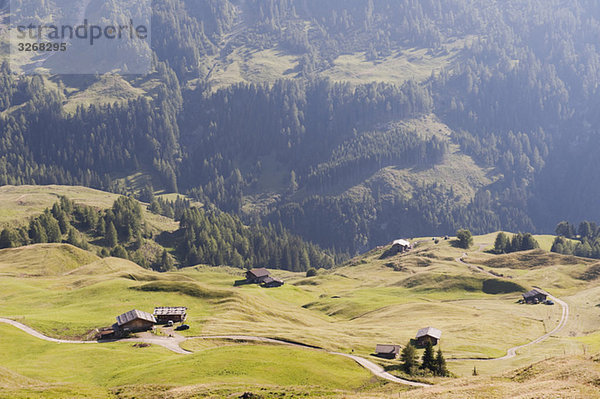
(43, 260)
(108, 89)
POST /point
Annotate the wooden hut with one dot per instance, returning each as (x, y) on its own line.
(428, 334)
(164, 314)
(400, 246)
(257, 276)
(136, 321)
(535, 296)
(387, 351)
(271, 282)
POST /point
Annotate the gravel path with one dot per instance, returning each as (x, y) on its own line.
(512, 352)
(173, 344)
(375, 369)
(169, 343)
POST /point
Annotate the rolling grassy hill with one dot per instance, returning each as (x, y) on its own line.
(63, 292)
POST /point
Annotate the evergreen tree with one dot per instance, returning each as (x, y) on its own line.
(110, 238)
(585, 229)
(428, 359)
(501, 243)
(465, 238)
(63, 222)
(409, 359)
(293, 186)
(440, 365)
(516, 244)
(166, 261)
(8, 238)
(101, 227)
(51, 226)
(565, 229)
(119, 252)
(72, 237)
(37, 233)
(528, 242)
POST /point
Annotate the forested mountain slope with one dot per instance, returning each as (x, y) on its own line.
(348, 122)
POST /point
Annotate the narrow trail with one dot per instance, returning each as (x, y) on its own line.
(173, 344)
(512, 352)
(169, 343)
(474, 267)
(375, 369)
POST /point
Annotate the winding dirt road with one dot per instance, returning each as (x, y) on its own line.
(367, 364)
(170, 343)
(173, 344)
(512, 352)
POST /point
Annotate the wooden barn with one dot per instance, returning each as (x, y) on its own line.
(271, 282)
(428, 334)
(535, 296)
(164, 314)
(387, 351)
(257, 276)
(400, 246)
(136, 321)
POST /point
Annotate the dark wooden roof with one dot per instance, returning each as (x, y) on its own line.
(533, 293)
(387, 349)
(269, 280)
(262, 272)
(429, 332)
(169, 311)
(134, 315)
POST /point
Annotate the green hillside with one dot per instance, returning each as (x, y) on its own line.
(43, 260)
(350, 308)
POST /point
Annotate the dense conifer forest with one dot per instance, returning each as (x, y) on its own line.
(305, 154)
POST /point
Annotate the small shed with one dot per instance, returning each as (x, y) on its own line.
(271, 282)
(108, 333)
(164, 314)
(387, 351)
(535, 296)
(428, 334)
(136, 321)
(400, 246)
(257, 276)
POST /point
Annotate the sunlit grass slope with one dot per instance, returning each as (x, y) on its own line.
(65, 292)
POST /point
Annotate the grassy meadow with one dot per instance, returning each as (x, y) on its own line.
(66, 292)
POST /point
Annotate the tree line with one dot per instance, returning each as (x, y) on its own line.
(216, 238)
(583, 241)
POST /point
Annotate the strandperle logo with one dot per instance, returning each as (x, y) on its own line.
(84, 31)
(80, 36)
